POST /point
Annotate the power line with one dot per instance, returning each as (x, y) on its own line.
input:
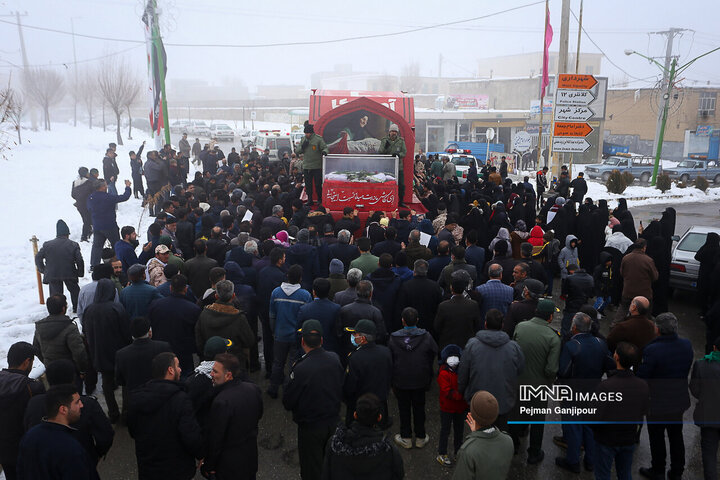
(66, 64)
(287, 44)
(605, 54)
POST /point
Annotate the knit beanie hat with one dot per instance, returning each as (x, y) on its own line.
(336, 266)
(62, 229)
(484, 408)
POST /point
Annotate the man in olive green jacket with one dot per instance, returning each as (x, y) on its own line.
(394, 144)
(487, 452)
(541, 345)
(312, 148)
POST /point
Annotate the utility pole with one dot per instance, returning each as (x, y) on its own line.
(562, 68)
(75, 67)
(440, 66)
(670, 34)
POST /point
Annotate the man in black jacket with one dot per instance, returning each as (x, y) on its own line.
(93, 429)
(60, 260)
(369, 369)
(82, 187)
(198, 268)
(361, 308)
(524, 309)
(362, 450)
(110, 170)
(349, 221)
(580, 188)
(457, 319)
(422, 294)
(160, 419)
(342, 250)
(314, 394)
(413, 353)
(617, 424)
(173, 320)
(389, 245)
(269, 279)
(577, 288)
(133, 363)
(233, 423)
(705, 386)
(16, 389)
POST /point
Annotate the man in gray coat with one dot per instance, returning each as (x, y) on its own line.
(60, 261)
(492, 361)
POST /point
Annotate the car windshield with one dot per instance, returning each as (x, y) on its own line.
(283, 142)
(461, 161)
(686, 164)
(611, 161)
(692, 242)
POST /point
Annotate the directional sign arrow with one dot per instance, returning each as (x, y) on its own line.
(573, 97)
(585, 82)
(569, 113)
(571, 129)
(569, 144)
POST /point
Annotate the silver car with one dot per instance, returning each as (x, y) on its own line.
(683, 266)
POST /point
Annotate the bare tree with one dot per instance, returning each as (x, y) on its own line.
(133, 92)
(88, 93)
(45, 88)
(15, 111)
(116, 81)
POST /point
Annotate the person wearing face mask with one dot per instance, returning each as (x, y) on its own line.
(125, 248)
(452, 404)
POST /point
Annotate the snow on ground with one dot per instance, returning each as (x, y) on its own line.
(37, 177)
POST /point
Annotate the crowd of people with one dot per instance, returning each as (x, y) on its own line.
(239, 275)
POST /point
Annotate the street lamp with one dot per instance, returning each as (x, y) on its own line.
(671, 76)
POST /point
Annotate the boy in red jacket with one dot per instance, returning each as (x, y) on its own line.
(452, 404)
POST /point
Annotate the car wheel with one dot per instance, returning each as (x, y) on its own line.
(645, 178)
(605, 177)
(685, 178)
(717, 180)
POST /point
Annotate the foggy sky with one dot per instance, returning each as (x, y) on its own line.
(616, 25)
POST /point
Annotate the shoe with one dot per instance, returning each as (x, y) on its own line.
(421, 442)
(403, 442)
(533, 459)
(570, 467)
(272, 394)
(559, 440)
(444, 460)
(650, 473)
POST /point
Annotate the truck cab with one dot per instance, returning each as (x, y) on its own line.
(692, 168)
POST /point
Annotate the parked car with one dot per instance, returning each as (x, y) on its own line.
(222, 131)
(199, 128)
(691, 169)
(462, 163)
(277, 144)
(640, 167)
(683, 266)
(180, 126)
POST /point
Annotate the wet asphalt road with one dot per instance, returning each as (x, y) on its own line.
(278, 438)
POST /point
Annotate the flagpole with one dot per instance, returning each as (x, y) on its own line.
(161, 64)
(542, 90)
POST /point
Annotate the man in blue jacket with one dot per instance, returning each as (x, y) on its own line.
(101, 205)
(285, 303)
(665, 365)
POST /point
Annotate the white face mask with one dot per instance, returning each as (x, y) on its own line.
(453, 361)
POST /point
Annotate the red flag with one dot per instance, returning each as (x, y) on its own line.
(548, 41)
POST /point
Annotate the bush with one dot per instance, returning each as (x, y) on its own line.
(701, 183)
(663, 183)
(629, 179)
(616, 182)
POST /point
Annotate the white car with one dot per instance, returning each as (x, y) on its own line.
(221, 131)
(199, 128)
(180, 126)
(684, 268)
(462, 163)
(277, 144)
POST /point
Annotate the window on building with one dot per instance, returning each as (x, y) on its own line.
(706, 104)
